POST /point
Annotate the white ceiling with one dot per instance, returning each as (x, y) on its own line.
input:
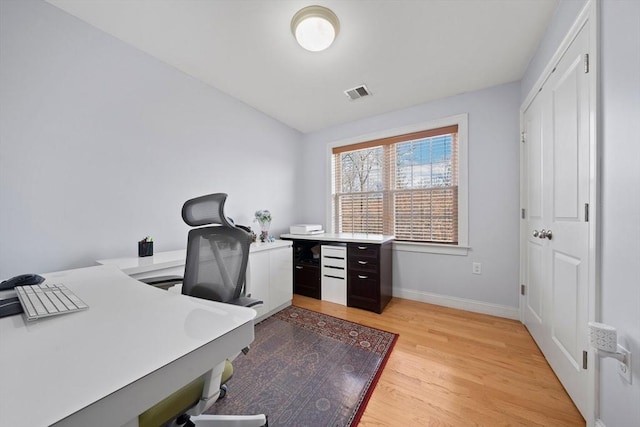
(407, 52)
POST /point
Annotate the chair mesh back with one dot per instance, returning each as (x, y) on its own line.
(217, 259)
(205, 210)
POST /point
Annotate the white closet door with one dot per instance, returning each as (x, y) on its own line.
(557, 247)
(534, 300)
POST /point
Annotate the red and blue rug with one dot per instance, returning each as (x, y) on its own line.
(307, 369)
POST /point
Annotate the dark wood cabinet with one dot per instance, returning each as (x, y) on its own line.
(306, 268)
(369, 275)
(368, 272)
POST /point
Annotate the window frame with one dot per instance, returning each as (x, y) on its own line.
(461, 120)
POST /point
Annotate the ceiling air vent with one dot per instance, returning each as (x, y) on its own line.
(357, 92)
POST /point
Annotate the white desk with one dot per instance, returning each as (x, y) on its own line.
(269, 273)
(103, 366)
(172, 262)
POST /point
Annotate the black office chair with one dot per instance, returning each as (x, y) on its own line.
(215, 269)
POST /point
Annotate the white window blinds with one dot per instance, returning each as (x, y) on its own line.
(406, 186)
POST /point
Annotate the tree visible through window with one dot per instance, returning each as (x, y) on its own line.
(405, 186)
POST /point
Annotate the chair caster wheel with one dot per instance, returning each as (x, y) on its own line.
(223, 391)
(184, 420)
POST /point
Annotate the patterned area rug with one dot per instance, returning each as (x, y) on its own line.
(307, 369)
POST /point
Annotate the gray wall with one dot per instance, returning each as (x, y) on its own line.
(101, 144)
(620, 142)
(493, 197)
(620, 187)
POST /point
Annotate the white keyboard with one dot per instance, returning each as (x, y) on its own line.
(46, 300)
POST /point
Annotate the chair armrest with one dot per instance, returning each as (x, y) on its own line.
(246, 302)
(163, 282)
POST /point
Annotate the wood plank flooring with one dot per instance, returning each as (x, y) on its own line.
(456, 368)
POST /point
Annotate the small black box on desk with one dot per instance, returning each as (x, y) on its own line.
(145, 249)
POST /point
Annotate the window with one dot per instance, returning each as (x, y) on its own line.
(405, 185)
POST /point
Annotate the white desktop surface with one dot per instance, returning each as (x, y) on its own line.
(169, 259)
(136, 265)
(103, 366)
(341, 237)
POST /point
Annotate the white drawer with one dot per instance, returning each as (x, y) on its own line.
(333, 256)
(334, 262)
(335, 272)
(334, 290)
(334, 251)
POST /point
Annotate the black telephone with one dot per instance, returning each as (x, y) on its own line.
(21, 280)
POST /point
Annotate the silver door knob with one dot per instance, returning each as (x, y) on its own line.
(543, 234)
(536, 233)
(546, 234)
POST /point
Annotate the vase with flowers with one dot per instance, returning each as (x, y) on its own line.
(263, 217)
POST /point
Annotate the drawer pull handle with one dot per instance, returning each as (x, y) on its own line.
(363, 262)
(362, 247)
(299, 267)
(362, 277)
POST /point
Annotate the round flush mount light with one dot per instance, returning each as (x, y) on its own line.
(315, 27)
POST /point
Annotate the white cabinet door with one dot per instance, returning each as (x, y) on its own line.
(258, 280)
(281, 277)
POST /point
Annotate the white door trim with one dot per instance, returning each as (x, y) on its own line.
(590, 13)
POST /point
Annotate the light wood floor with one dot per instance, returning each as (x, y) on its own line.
(455, 368)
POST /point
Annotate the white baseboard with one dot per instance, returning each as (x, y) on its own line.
(459, 303)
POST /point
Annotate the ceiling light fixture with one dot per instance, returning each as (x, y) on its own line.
(315, 27)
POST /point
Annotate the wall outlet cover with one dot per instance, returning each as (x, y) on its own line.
(477, 268)
(624, 369)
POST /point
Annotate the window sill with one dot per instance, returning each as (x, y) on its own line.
(431, 248)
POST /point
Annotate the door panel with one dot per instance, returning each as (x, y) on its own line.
(565, 285)
(533, 126)
(565, 147)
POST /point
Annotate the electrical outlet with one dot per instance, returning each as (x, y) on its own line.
(477, 268)
(624, 369)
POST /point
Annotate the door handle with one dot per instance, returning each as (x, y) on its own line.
(362, 277)
(299, 267)
(543, 234)
(363, 262)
